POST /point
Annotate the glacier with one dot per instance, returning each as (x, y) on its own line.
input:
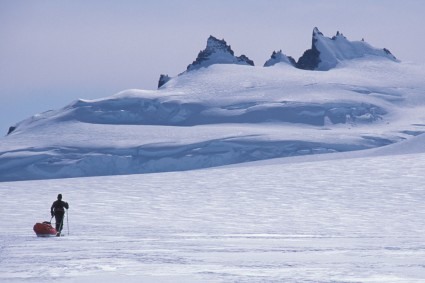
(219, 115)
(224, 110)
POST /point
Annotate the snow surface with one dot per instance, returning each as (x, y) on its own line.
(343, 220)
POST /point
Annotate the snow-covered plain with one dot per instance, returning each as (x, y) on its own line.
(342, 220)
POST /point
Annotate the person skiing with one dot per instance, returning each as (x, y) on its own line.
(58, 211)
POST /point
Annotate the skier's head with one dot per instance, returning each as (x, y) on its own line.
(59, 196)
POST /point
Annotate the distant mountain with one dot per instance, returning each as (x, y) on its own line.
(218, 52)
(279, 57)
(219, 111)
(325, 53)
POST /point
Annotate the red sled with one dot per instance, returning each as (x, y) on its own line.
(44, 229)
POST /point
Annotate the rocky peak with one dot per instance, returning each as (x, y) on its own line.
(316, 31)
(279, 57)
(163, 79)
(217, 52)
(215, 44)
(325, 53)
(310, 59)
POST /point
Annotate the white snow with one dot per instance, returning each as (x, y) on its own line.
(346, 220)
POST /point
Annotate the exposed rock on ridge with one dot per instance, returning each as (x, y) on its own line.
(325, 53)
(163, 79)
(279, 57)
(217, 52)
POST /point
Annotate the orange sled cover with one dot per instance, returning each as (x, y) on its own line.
(44, 229)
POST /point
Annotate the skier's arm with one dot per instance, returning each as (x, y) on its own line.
(51, 209)
(66, 205)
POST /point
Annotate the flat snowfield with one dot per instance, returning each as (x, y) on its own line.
(348, 220)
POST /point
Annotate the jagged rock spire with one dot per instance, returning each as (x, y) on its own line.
(163, 79)
(217, 52)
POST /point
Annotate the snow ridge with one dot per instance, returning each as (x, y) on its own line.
(326, 53)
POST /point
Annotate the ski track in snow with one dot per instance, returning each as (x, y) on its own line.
(349, 220)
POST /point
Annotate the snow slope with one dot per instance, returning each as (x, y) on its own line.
(326, 53)
(223, 114)
(344, 220)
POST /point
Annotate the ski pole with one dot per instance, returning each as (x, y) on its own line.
(67, 220)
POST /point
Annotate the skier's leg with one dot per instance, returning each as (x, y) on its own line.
(58, 221)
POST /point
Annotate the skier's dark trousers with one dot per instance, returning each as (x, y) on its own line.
(58, 210)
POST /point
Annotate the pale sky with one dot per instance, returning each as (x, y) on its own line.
(53, 52)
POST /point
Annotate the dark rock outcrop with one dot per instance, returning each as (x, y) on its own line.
(11, 129)
(245, 59)
(279, 57)
(217, 52)
(311, 58)
(163, 79)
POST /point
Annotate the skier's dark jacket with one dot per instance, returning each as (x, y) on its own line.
(59, 206)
